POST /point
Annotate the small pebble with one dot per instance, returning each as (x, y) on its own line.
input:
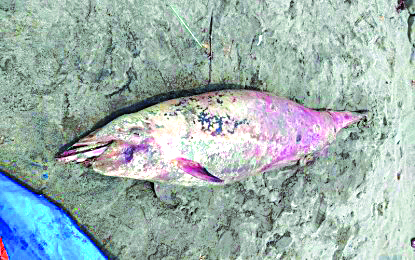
(410, 5)
(412, 58)
(411, 30)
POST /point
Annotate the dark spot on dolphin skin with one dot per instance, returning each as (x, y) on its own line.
(214, 121)
(236, 124)
(298, 139)
(219, 129)
(174, 113)
(219, 101)
(181, 103)
(204, 118)
(220, 123)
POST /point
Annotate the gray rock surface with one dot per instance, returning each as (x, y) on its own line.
(66, 65)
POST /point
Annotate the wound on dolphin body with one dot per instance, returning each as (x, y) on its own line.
(130, 150)
(128, 154)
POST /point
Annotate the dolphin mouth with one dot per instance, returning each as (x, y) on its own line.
(84, 152)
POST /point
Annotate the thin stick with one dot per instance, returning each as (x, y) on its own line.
(185, 25)
(210, 48)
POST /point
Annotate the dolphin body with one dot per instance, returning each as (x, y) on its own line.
(214, 138)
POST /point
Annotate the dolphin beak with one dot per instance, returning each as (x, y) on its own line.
(82, 151)
(86, 149)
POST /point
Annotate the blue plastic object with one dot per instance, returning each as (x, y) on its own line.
(34, 228)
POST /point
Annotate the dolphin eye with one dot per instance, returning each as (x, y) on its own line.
(135, 130)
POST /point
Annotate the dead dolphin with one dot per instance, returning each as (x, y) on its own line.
(214, 138)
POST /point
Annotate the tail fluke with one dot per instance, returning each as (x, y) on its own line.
(344, 119)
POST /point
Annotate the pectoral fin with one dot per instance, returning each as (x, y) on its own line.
(195, 169)
(166, 193)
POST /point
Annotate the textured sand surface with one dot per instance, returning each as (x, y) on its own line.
(66, 66)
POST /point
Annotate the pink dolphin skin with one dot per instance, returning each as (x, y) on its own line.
(209, 139)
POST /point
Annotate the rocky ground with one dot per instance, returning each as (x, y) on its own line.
(66, 66)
